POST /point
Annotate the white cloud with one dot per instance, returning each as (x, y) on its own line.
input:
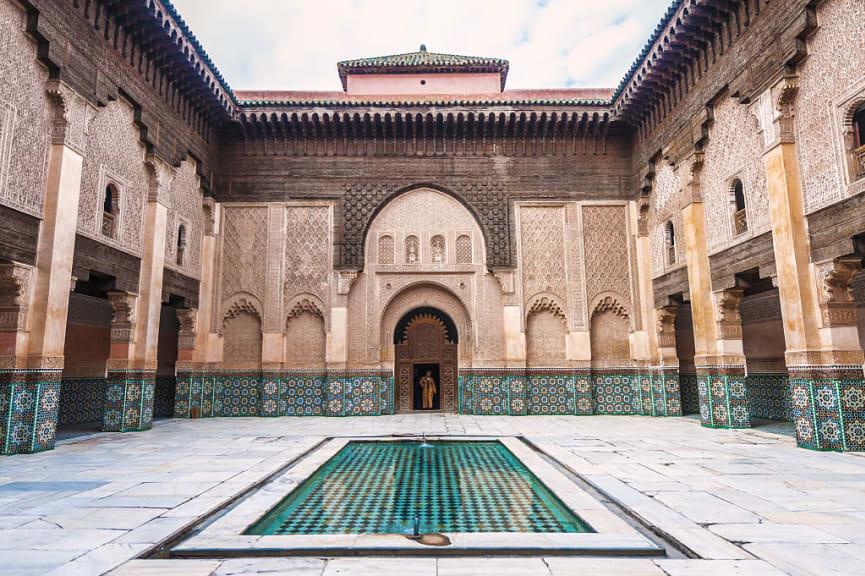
(295, 44)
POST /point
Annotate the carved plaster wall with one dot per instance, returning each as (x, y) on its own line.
(608, 255)
(242, 339)
(458, 282)
(733, 150)
(25, 116)
(184, 209)
(115, 155)
(545, 339)
(244, 245)
(665, 206)
(835, 64)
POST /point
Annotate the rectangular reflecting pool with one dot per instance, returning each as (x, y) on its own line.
(380, 487)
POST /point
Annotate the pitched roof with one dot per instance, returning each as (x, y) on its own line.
(422, 61)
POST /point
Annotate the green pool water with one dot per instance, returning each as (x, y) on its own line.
(380, 487)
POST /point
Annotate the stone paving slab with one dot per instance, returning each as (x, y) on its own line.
(750, 499)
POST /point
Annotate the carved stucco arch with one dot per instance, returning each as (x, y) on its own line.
(610, 302)
(306, 303)
(434, 295)
(424, 186)
(546, 301)
(240, 302)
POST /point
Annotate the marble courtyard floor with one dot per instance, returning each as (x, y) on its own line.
(746, 502)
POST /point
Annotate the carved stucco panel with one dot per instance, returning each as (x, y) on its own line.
(733, 150)
(665, 205)
(184, 208)
(26, 113)
(244, 245)
(114, 153)
(307, 251)
(542, 251)
(836, 60)
(607, 255)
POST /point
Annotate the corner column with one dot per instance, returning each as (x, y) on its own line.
(131, 377)
(34, 301)
(663, 396)
(824, 356)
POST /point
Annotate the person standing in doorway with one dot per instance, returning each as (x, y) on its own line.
(428, 387)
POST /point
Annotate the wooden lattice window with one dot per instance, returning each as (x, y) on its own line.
(464, 249)
(385, 250)
(859, 141)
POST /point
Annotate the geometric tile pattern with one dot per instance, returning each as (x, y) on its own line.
(381, 487)
(618, 394)
(128, 400)
(660, 394)
(283, 393)
(723, 401)
(829, 413)
(29, 405)
(81, 400)
(769, 396)
(690, 396)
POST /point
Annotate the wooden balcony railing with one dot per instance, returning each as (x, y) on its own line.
(108, 224)
(740, 222)
(859, 155)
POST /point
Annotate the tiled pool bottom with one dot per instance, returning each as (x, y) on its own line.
(380, 487)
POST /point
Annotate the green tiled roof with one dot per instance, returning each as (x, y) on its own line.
(437, 102)
(422, 60)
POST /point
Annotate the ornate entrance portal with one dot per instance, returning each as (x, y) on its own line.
(425, 341)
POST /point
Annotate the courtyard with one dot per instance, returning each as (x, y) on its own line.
(724, 501)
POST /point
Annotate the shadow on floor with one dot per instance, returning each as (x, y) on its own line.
(763, 425)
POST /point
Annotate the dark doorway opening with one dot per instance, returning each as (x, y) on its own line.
(420, 371)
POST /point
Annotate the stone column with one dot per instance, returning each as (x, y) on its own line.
(131, 377)
(721, 375)
(35, 301)
(824, 357)
(195, 394)
(663, 396)
(717, 351)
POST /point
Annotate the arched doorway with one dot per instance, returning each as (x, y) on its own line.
(426, 346)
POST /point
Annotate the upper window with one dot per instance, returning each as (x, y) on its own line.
(412, 250)
(181, 244)
(110, 211)
(464, 249)
(385, 250)
(740, 214)
(437, 249)
(670, 243)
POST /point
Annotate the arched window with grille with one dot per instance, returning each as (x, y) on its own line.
(181, 244)
(740, 213)
(670, 243)
(110, 211)
(385, 250)
(464, 249)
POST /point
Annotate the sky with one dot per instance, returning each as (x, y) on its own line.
(295, 44)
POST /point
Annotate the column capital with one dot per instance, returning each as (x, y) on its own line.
(15, 290)
(161, 176)
(124, 306)
(728, 319)
(346, 281)
(71, 116)
(188, 318)
(665, 324)
(834, 278)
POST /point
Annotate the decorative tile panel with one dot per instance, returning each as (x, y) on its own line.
(29, 405)
(828, 408)
(128, 400)
(769, 396)
(724, 399)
